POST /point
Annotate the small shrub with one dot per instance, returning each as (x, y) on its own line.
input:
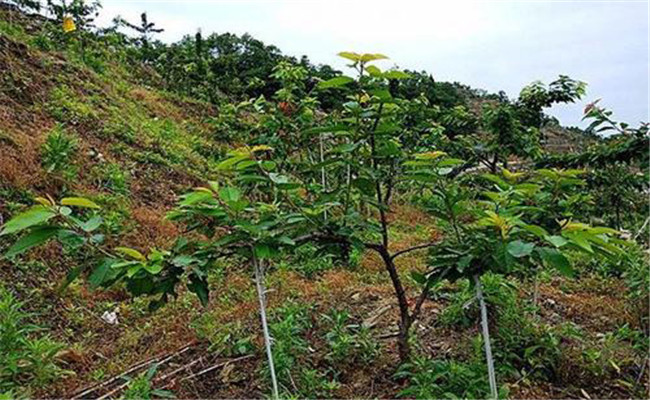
(57, 152)
(340, 339)
(308, 262)
(348, 342)
(26, 360)
(315, 383)
(229, 339)
(287, 327)
(69, 107)
(112, 177)
(435, 379)
(520, 343)
(140, 388)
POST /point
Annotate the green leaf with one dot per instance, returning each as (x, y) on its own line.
(36, 237)
(286, 240)
(262, 251)
(79, 202)
(90, 225)
(374, 71)
(103, 273)
(395, 74)
(229, 195)
(133, 253)
(31, 217)
(199, 286)
(598, 230)
(535, 230)
(520, 249)
(382, 94)
(335, 82)
(557, 241)
(153, 268)
(230, 162)
(133, 269)
(579, 239)
(195, 197)
(557, 260)
(268, 165)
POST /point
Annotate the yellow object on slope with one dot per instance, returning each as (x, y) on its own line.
(68, 24)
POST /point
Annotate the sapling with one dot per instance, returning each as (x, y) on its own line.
(502, 240)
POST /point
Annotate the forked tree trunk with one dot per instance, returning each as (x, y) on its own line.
(486, 338)
(405, 321)
(261, 295)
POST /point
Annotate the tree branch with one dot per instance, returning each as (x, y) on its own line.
(410, 249)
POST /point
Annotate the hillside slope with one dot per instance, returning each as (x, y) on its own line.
(112, 132)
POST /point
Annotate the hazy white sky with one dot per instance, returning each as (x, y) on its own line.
(495, 45)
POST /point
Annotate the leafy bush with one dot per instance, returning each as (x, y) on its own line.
(229, 339)
(308, 261)
(438, 379)
(112, 177)
(288, 325)
(348, 343)
(58, 151)
(140, 388)
(521, 343)
(27, 360)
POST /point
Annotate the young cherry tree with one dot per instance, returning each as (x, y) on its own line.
(506, 239)
(282, 197)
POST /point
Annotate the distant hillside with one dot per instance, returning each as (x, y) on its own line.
(134, 136)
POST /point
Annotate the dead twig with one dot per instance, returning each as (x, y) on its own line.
(374, 317)
(86, 391)
(177, 370)
(215, 366)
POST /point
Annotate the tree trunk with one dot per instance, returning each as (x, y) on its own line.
(406, 321)
(486, 338)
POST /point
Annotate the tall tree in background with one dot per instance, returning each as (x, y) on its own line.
(146, 29)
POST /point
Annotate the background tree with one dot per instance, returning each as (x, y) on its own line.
(146, 31)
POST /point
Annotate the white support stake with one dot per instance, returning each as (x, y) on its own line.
(322, 170)
(259, 282)
(486, 338)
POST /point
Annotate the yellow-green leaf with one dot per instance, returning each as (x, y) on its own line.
(372, 57)
(431, 155)
(352, 56)
(261, 147)
(133, 253)
(78, 202)
(43, 201)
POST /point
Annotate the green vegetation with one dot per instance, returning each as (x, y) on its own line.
(58, 152)
(395, 235)
(28, 359)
